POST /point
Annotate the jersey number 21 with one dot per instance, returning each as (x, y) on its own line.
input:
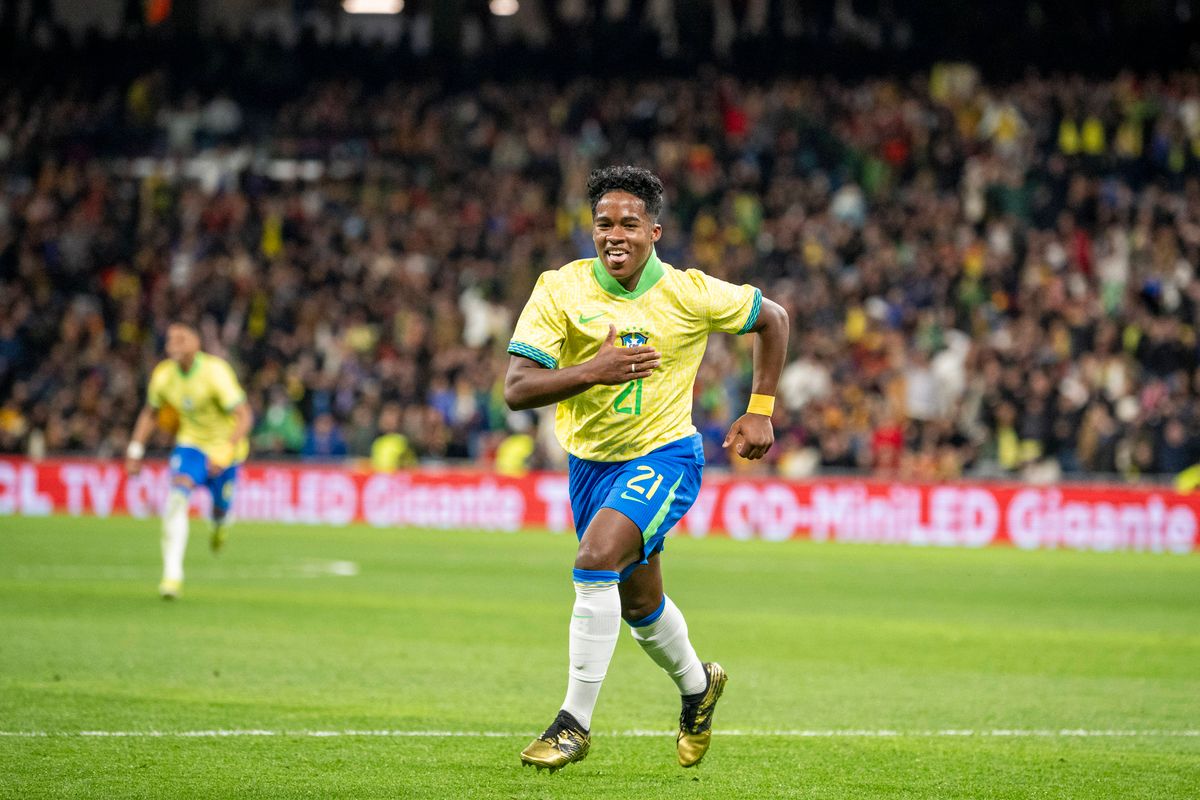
(623, 404)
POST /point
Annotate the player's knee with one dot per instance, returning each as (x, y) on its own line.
(639, 609)
(183, 482)
(176, 506)
(595, 559)
(603, 555)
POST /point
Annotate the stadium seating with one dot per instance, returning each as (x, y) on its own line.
(983, 279)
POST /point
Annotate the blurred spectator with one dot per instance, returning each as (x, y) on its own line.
(390, 451)
(1177, 450)
(363, 433)
(324, 440)
(280, 428)
(513, 455)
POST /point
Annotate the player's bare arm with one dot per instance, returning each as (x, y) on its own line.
(752, 434)
(142, 429)
(243, 421)
(530, 385)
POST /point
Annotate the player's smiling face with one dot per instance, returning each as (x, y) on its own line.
(624, 234)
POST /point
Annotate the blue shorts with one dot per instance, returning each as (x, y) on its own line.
(192, 462)
(654, 490)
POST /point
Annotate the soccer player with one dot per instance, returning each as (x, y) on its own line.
(616, 342)
(214, 421)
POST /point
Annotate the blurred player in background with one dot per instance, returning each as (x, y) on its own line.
(211, 443)
(616, 342)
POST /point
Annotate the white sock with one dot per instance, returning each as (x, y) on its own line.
(595, 626)
(174, 535)
(665, 640)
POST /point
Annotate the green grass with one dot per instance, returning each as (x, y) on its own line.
(466, 631)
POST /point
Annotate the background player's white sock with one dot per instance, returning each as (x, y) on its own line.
(595, 626)
(665, 639)
(174, 534)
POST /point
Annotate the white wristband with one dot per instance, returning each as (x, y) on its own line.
(135, 451)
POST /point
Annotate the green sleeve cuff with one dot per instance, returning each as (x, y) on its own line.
(753, 313)
(533, 354)
(228, 409)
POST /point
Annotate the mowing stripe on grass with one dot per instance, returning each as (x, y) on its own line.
(85, 572)
(803, 734)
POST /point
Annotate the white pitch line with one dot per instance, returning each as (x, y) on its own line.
(83, 572)
(434, 734)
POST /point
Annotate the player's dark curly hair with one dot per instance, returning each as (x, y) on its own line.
(641, 183)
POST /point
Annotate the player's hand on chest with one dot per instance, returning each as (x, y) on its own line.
(624, 355)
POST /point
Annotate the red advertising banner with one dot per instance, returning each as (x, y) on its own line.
(1078, 517)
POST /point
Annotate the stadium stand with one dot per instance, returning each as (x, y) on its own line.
(985, 278)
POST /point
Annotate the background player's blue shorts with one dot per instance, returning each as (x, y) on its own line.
(654, 490)
(192, 462)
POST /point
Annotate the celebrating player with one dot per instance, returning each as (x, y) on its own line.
(616, 342)
(214, 421)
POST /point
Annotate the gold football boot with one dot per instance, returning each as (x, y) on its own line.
(695, 720)
(219, 533)
(563, 742)
(219, 525)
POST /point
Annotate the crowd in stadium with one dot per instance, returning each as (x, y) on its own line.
(982, 279)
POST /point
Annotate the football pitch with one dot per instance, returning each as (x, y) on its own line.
(358, 662)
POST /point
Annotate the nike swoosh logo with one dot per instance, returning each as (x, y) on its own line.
(628, 496)
(585, 320)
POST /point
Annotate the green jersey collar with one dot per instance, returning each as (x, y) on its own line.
(192, 369)
(650, 275)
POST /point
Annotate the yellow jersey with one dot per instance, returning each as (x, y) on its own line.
(205, 397)
(390, 451)
(674, 311)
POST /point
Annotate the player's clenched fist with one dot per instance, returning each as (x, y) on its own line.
(615, 365)
(751, 436)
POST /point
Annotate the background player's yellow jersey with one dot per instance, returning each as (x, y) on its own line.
(205, 397)
(567, 318)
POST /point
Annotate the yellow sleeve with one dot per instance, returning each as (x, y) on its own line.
(731, 308)
(158, 383)
(225, 386)
(541, 329)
